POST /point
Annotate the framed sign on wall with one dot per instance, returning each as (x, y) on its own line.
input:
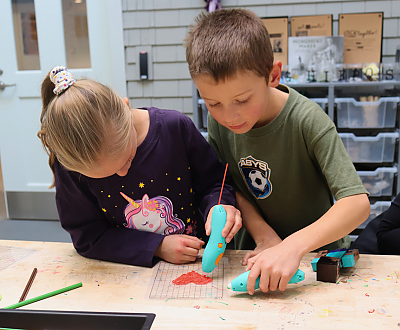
(313, 59)
(362, 37)
(278, 30)
(309, 26)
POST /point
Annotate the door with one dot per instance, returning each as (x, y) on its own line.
(86, 36)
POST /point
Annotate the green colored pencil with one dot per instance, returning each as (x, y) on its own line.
(44, 296)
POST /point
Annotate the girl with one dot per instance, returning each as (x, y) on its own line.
(132, 185)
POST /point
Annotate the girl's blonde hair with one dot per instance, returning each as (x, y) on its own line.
(86, 121)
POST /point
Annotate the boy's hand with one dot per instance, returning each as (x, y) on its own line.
(276, 266)
(261, 246)
(179, 249)
(233, 222)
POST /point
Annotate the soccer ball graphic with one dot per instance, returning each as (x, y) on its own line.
(258, 180)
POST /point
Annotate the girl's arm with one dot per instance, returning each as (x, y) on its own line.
(92, 234)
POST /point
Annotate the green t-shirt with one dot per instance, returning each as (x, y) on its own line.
(290, 168)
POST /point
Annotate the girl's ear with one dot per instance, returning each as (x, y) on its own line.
(275, 75)
(126, 100)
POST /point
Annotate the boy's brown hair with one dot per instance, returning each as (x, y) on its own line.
(228, 41)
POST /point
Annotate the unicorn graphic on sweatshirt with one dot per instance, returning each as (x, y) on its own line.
(153, 215)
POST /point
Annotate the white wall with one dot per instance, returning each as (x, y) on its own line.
(159, 27)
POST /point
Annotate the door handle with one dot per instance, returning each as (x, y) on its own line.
(3, 85)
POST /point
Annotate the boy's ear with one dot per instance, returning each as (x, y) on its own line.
(275, 75)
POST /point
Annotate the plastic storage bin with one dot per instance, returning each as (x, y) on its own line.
(380, 181)
(355, 114)
(370, 149)
(322, 102)
(376, 209)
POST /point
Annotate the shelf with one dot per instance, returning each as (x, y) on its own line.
(385, 83)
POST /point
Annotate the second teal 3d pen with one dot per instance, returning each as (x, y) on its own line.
(240, 283)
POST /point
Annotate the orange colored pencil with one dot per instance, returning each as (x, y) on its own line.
(223, 181)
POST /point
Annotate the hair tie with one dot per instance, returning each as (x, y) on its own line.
(61, 78)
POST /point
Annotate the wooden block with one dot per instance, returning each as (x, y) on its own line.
(328, 269)
(350, 258)
(315, 260)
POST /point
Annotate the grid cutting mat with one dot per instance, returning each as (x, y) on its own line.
(165, 273)
(11, 254)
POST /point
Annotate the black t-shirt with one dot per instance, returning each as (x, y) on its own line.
(388, 234)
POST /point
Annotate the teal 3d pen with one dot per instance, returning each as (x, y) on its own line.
(240, 283)
(216, 245)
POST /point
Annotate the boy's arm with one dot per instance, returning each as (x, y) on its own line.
(352, 207)
(342, 218)
(263, 235)
(279, 263)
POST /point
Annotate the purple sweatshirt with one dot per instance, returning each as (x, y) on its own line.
(174, 180)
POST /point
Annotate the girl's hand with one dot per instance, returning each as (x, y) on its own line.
(261, 246)
(233, 222)
(276, 266)
(179, 249)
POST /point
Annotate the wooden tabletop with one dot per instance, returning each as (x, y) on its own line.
(366, 296)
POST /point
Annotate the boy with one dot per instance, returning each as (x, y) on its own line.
(284, 153)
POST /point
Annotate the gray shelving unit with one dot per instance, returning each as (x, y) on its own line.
(362, 134)
(334, 89)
